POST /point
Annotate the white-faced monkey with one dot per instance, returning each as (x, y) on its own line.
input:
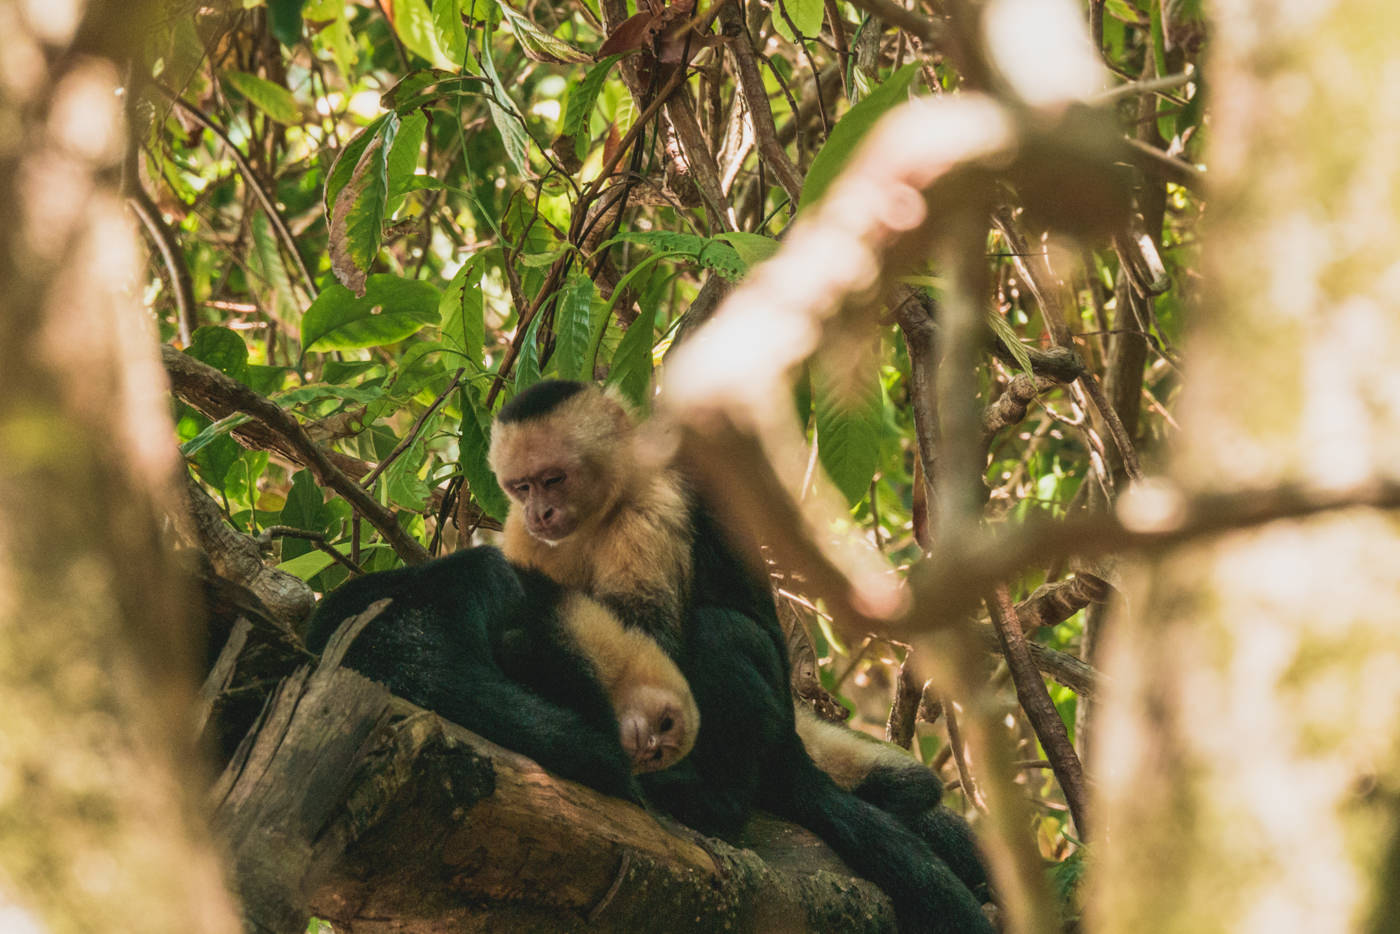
(590, 512)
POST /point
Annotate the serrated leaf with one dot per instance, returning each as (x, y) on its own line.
(473, 447)
(540, 45)
(582, 99)
(852, 128)
(752, 248)
(848, 434)
(573, 326)
(403, 157)
(357, 219)
(284, 20)
(631, 365)
(272, 99)
(462, 312)
(391, 309)
(222, 349)
(806, 15)
(451, 34)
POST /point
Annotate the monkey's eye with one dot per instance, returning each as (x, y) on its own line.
(520, 489)
(554, 480)
(666, 724)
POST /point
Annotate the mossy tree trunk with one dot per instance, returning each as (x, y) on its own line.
(1249, 764)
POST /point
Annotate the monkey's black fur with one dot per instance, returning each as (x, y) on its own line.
(540, 399)
(479, 641)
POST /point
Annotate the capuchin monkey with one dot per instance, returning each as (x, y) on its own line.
(509, 654)
(589, 511)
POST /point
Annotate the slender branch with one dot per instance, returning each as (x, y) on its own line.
(756, 95)
(1040, 710)
(184, 367)
(317, 540)
(181, 286)
(412, 433)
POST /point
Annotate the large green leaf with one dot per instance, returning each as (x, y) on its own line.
(303, 509)
(284, 20)
(573, 326)
(631, 365)
(414, 24)
(349, 157)
(473, 447)
(848, 433)
(272, 99)
(357, 217)
(527, 365)
(462, 312)
(806, 15)
(222, 349)
(582, 98)
(506, 117)
(451, 34)
(391, 309)
(403, 157)
(540, 45)
(851, 129)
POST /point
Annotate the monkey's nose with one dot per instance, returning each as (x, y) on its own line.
(547, 514)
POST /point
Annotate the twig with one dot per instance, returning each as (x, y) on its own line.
(181, 286)
(412, 434)
(756, 96)
(250, 178)
(1040, 710)
(317, 539)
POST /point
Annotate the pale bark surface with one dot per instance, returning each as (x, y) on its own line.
(1247, 756)
(97, 831)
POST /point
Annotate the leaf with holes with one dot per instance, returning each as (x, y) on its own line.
(391, 309)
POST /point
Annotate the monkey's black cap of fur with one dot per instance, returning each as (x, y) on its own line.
(540, 399)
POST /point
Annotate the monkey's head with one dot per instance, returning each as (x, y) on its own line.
(558, 450)
(658, 726)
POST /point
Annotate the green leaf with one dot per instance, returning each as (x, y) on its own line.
(1002, 329)
(631, 365)
(752, 248)
(662, 240)
(848, 434)
(357, 218)
(349, 157)
(391, 309)
(540, 45)
(851, 129)
(722, 258)
(414, 25)
(402, 482)
(272, 99)
(527, 365)
(266, 259)
(573, 326)
(305, 565)
(451, 34)
(304, 509)
(222, 349)
(506, 117)
(582, 98)
(473, 447)
(806, 15)
(462, 312)
(403, 157)
(212, 433)
(284, 20)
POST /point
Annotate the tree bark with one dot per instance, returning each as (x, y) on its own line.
(351, 805)
(1248, 759)
(97, 830)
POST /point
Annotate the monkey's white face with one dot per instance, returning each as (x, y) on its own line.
(655, 733)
